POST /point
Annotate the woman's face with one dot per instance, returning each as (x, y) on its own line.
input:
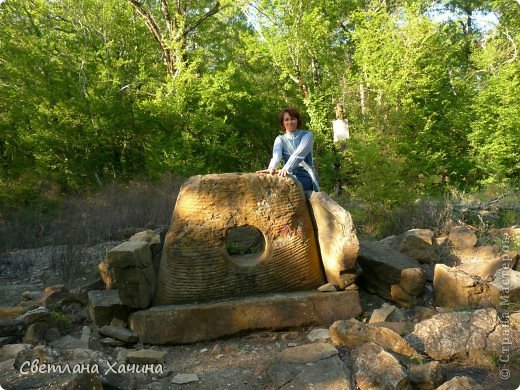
(289, 123)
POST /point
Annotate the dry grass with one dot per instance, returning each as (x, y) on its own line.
(484, 210)
(113, 212)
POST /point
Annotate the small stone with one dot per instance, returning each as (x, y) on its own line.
(69, 342)
(460, 383)
(328, 287)
(122, 355)
(37, 315)
(318, 334)
(146, 356)
(27, 295)
(181, 379)
(423, 313)
(386, 313)
(11, 350)
(85, 334)
(426, 376)
(112, 342)
(203, 350)
(292, 344)
(118, 323)
(217, 350)
(122, 334)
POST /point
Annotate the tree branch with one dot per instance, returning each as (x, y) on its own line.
(211, 12)
(167, 17)
(149, 21)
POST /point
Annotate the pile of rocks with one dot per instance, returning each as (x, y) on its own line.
(464, 275)
(373, 355)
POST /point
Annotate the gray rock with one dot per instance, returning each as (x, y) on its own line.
(391, 274)
(41, 314)
(121, 334)
(83, 381)
(12, 327)
(425, 376)
(103, 305)
(5, 340)
(460, 383)
(131, 266)
(10, 351)
(374, 368)
(326, 374)
(69, 342)
(462, 237)
(308, 353)
(181, 379)
(146, 356)
(461, 335)
(386, 313)
(316, 366)
(318, 334)
(85, 335)
(352, 333)
(418, 244)
(40, 333)
(327, 287)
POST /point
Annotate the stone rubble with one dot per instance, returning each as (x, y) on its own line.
(368, 353)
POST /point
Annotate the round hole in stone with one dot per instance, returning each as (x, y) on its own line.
(245, 245)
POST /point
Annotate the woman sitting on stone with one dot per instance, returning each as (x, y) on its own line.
(295, 149)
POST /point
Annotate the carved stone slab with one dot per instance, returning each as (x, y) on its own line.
(197, 264)
(339, 245)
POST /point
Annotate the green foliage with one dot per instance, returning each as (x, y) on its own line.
(61, 318)
(87, 99)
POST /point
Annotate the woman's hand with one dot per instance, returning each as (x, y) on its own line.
(283, 172)
(271, 171)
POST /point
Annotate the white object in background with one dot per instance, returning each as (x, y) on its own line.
(340, 127)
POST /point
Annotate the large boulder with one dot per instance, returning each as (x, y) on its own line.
(457, 289)
(337, 238)
(197, 263)
(463, 335)
(391, 274)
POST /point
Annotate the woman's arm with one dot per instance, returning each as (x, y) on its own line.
(277, 153)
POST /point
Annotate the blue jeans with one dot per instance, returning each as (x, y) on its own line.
(305, 181)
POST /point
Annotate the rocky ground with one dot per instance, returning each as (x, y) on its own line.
(291, 358)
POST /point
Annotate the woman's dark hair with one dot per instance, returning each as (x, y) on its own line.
(293, 113)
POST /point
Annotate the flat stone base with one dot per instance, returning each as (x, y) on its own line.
(179, 324)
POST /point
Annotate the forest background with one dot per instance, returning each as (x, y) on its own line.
(95, 92)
